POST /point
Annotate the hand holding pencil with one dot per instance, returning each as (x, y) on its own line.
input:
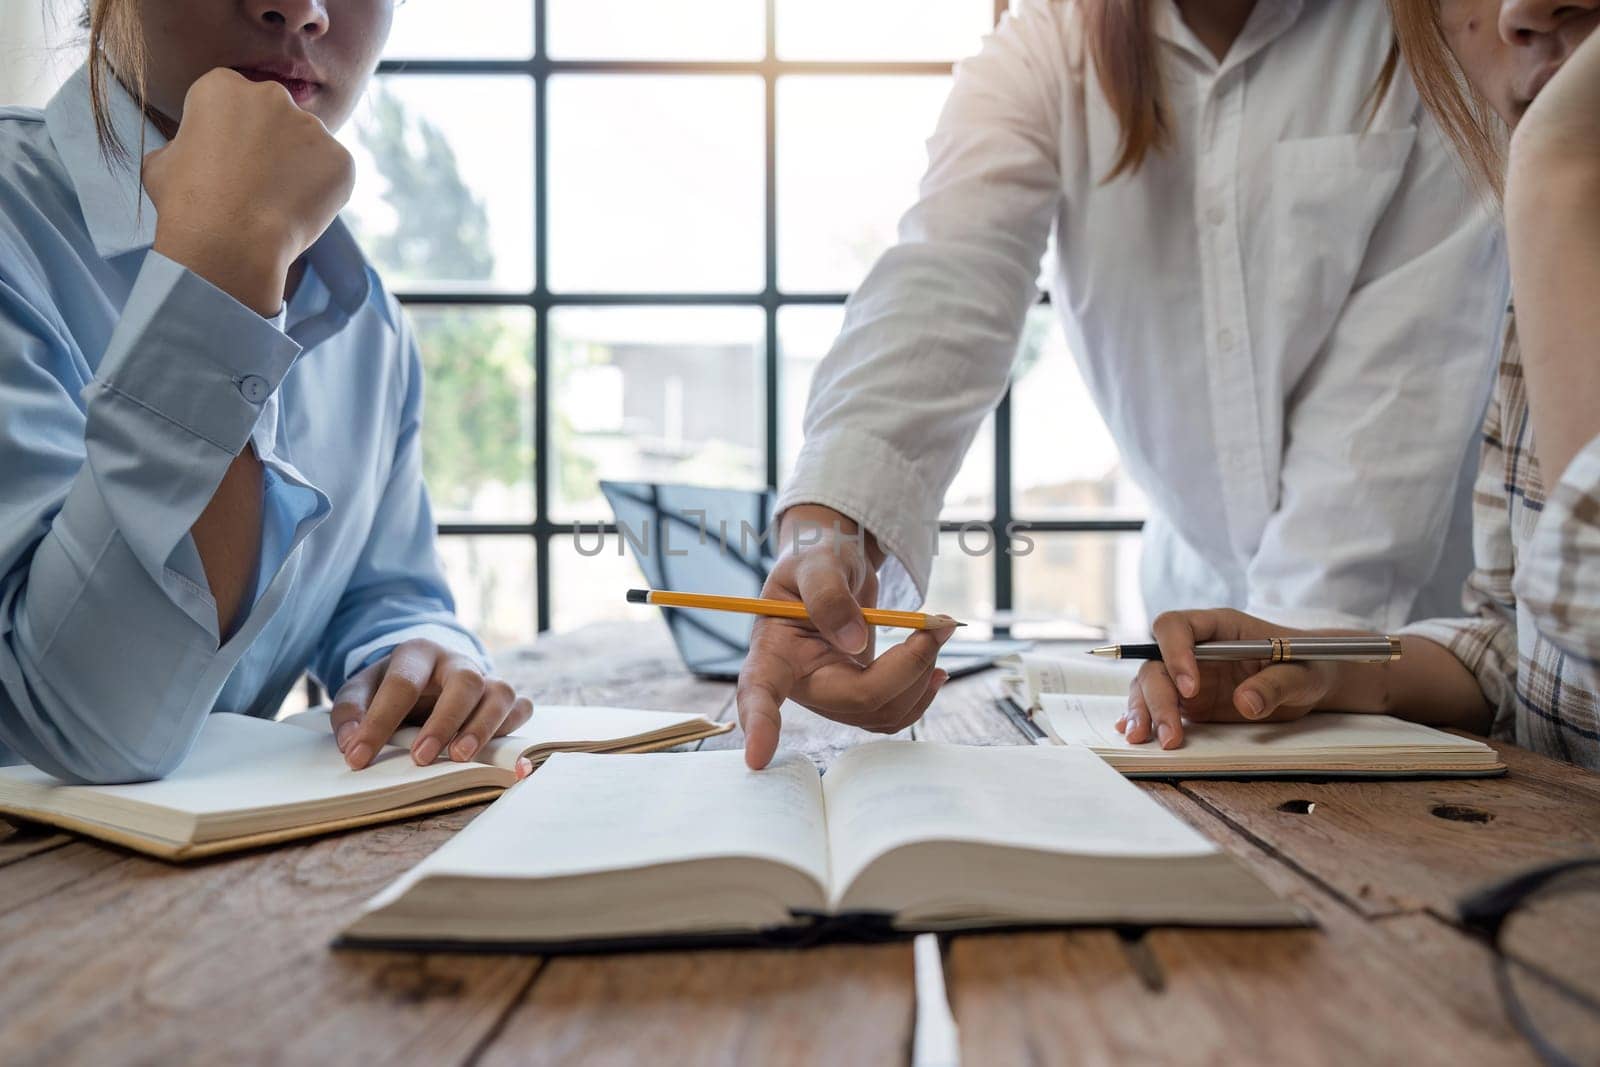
(783, 609)
(825, 660)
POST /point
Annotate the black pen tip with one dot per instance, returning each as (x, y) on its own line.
(638, 596)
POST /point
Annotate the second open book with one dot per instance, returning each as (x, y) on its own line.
(597, 851)
(1078, 703)
(250, 782)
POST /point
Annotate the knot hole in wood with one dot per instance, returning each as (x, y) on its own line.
(1461, 813)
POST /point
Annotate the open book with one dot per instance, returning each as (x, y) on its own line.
(1078, 703)
(688, 847)
(250, 782)
(1335, 744)
(562, 728)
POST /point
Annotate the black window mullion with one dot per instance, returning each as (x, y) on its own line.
(770, 297)
(541, 323)
(1004, 574)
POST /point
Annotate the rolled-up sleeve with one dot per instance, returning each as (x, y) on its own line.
(1558, 577)
(398, 591)
(110, 654)
(929, 337)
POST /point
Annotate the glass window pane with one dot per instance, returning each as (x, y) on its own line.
(589, 577)
(804, 336)
(444, 193)
(462, 29)
(882, 29)
(850, 155)
(492, 579)
(656, 394)
(477, 427)
(651, 29)
(1063, 459)
(657, 183)
(962, 581)
(1071, 585)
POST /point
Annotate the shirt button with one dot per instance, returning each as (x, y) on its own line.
(254, 388)
(1215, 215)
(1225, 339)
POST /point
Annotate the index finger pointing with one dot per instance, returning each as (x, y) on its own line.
(764, 684)
(762, 721)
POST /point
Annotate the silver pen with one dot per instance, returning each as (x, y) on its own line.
(1374, 649)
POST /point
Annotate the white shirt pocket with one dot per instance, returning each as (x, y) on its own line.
(1327, 196)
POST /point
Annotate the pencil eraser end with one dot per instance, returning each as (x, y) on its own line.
(638, 596)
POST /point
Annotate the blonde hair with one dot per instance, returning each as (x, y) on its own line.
(1466, 118)
(1122, 44)
(116, 51)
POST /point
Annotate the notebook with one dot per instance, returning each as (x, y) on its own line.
(1027, 676)
(1078, 704)
(673, 849)
(249, 782)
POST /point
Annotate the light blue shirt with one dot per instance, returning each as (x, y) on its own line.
(127, 386)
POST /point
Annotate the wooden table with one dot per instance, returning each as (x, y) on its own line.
(111, 957)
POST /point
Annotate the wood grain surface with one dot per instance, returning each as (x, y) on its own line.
(110, 957)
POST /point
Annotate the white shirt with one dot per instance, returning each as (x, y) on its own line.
(1287, 317)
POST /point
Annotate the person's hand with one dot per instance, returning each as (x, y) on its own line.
(1562, 124)
(421, 682)
(247, 184)
(829, 667)
(1178, 686)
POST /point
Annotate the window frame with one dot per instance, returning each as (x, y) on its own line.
(540, 67)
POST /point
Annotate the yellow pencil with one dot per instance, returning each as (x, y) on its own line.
(782, 609)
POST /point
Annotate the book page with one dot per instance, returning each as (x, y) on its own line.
(890, 793)
(550, 724)
(1090, 721)
(1040, 674)
(560, 724)
(238, 764)
(584, 814)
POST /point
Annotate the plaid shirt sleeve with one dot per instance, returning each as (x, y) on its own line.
(1485, 639)
(1558, 577)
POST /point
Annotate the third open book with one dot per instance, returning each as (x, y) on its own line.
(1078, 702)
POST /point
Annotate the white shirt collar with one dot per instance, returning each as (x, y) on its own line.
(1269, 20)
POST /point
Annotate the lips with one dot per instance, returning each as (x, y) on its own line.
(298, 79)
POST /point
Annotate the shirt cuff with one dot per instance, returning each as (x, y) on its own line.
(193, 355)
(864, 478)
(1558, 575)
